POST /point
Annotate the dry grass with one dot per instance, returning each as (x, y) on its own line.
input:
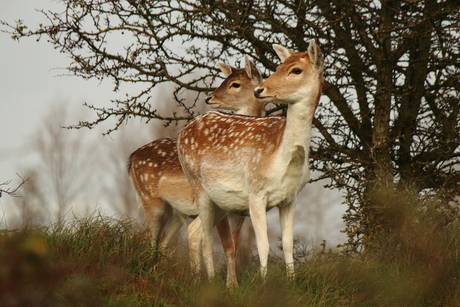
(100, 261)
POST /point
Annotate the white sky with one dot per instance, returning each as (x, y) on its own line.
(29, 84)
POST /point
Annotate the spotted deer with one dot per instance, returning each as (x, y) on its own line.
(163, 188)
(248, 165)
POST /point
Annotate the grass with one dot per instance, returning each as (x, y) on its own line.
(99, 261)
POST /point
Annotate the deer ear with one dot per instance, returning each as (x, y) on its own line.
(282, 52)
(316, 56)
(226, 69)
(252, 71)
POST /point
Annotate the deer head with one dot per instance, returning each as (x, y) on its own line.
(236, 92)
(296, 78)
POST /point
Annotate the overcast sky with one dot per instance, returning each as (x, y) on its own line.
(29, 84)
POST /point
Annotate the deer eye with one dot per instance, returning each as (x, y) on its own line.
(236, 85)
(296, 71)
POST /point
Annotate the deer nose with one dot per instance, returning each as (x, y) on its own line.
(258, 91)
(207, 99)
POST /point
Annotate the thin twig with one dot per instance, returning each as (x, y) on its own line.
(10, 192)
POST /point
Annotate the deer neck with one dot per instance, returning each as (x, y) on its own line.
(299, 122)
(255, 108)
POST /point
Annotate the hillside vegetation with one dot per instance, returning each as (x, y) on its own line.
(100, 261)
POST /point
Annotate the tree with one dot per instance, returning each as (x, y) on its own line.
(31, 208)
(389, 119)
(61, 177)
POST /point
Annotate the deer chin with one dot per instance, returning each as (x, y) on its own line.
(266, 98)
(214, 105)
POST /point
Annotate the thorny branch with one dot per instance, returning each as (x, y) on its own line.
(9, 191)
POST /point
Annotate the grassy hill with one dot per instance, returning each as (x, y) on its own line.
(99, 261)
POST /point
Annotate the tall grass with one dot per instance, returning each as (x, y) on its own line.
(99, 261)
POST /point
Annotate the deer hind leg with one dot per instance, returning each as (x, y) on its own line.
(229, 229)
(287, 222)
(207, 212)
(236, 223)
(157, 213)
(195, 232)
(225, 233)
(257, 212)
(171, 228)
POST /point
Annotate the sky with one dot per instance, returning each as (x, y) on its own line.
(30, 84)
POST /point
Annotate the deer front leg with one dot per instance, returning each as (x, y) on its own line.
(257, 212)
(287, 223)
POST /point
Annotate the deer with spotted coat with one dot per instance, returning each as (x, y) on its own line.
(248, 165)
(163, 188)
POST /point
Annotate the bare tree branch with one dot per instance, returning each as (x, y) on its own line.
(9, 191)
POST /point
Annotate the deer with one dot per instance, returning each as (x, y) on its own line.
(163, 189)
(247, 165)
